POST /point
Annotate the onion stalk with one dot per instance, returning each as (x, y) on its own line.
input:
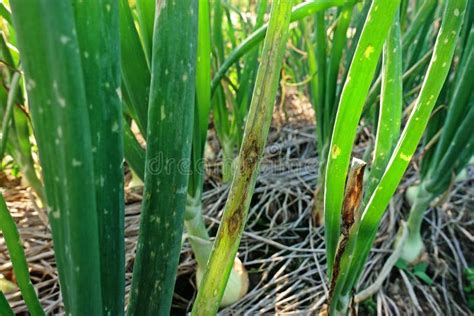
(227, 241)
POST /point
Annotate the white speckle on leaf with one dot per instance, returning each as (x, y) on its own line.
(163, 113)
(30, 84)
(62, 102)
(115, 127)
(155, 219)
(64, 39)
(76, 163)
(119, 92)
(456, 12)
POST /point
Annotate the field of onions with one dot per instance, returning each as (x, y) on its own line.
(231, 157)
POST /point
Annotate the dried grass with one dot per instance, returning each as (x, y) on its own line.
(281, 248)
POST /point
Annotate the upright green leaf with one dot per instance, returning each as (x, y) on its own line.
(146, 18)
(203, 77)
(169, 136)
(135, 70)
(5, 308)
(51, 59)
(7, 117)
(391, 102)
(339, 42)
(97, 27)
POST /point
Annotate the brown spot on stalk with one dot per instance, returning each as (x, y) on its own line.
(318, 206)
(237, 218)
(249, 155)
(352, 198)
(353, 194)
(248, 160)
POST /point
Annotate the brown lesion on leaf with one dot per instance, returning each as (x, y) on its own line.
(248, 160)
(237, 218)
(353, 194)
(352, 198)
(247, 165)
(249, 155)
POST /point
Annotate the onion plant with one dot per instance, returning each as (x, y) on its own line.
(323, 67)
(136, 79)
(169, 134)
(194, 221)
(258, 123)
(207, 94)
(91, 70)
(346, 258)
(448, 149)
(59, 88)
(73, 83)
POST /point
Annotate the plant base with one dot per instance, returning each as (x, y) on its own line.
(237, 286)
(412, 249)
